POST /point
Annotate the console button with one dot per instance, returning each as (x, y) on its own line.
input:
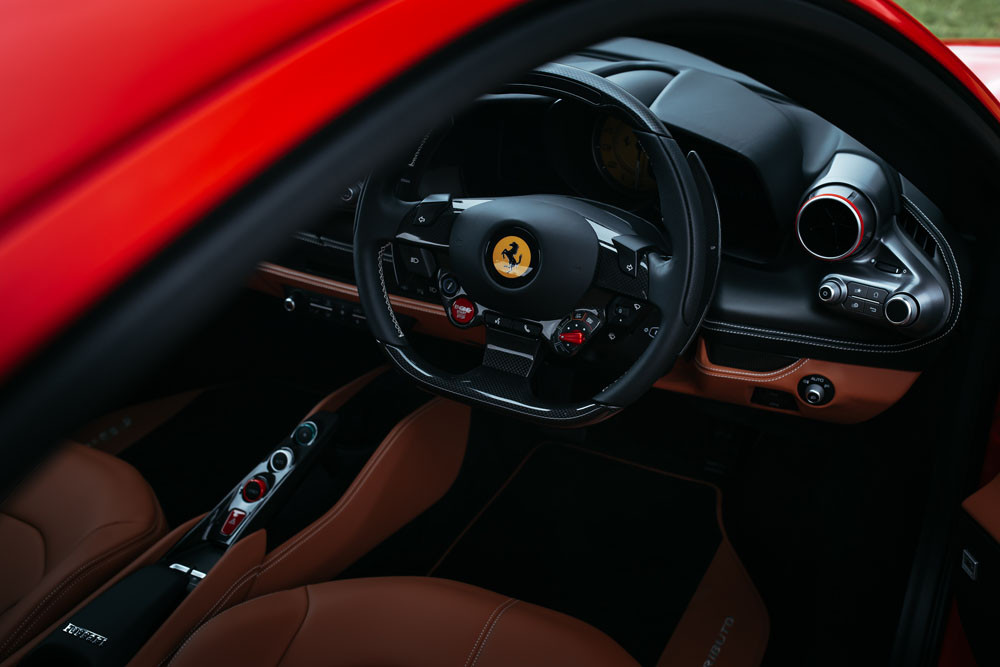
(855, 305)
(233, 522)
(280, 460)
(254, 489)
(877, 294)
(418, 260)
(305, 433)
(871, 309)
(857, 289)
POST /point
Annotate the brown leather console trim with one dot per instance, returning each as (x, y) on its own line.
(430, 318)
(860, 392)
(984, 507)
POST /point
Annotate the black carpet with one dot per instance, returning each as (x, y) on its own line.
(618, 546)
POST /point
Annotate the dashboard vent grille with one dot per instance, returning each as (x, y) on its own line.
(908, 223)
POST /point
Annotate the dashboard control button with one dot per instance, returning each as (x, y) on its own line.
(855, 305)
(814, 394)
(290, 304)
(877, 294)
(815, 390)
(901, 310)
(462, 311)
(871, 309)
(418, 260)
(858, 290)
(233, 522)
(832, 290)
(305, 433)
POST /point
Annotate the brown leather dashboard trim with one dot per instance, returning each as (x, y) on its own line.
(860, 392)
(430, 318)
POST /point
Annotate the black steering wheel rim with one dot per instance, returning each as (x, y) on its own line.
(680, 284)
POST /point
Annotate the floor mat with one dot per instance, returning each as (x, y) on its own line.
(630, 550)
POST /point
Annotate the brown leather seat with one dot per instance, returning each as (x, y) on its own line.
(69, 527)
(400, 621)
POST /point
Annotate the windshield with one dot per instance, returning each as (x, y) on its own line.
(957, 19)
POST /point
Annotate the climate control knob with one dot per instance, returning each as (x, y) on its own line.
(901, 310)
(835, 222)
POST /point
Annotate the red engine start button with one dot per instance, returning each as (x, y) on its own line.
(462, 310)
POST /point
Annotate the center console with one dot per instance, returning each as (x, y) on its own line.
(366, 460)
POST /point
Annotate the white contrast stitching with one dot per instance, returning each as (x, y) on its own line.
(503, 610)
(850, 346)
(754, 379)
(385, 292)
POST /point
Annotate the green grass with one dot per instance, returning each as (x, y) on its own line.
(950, 19)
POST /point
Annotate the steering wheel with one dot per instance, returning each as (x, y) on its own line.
(522, 266)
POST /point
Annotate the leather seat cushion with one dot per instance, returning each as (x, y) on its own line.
(66, 529)
(411, 621)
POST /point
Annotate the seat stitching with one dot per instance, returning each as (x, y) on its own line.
(493, 627)
(472, 652)
(66, 584)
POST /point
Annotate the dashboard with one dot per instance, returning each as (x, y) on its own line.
(839, 280)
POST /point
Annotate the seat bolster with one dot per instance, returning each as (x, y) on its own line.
(404, 621)
(94, 513)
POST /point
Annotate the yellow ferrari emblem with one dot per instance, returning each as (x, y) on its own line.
(511, 257)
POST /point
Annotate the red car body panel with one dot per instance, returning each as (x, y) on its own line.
(133, 179)
(133, 119)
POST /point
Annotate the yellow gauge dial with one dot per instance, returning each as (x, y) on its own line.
(622, 158)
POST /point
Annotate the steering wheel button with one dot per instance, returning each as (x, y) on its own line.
(418, 260)
(462, 311)
(573, 337)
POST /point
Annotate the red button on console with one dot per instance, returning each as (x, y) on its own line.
(233, 522)
(462, 310)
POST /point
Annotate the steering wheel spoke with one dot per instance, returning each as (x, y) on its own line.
(532, 269)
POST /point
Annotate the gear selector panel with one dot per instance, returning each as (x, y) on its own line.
(248, 501)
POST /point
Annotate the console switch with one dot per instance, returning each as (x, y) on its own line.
(233, 522)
